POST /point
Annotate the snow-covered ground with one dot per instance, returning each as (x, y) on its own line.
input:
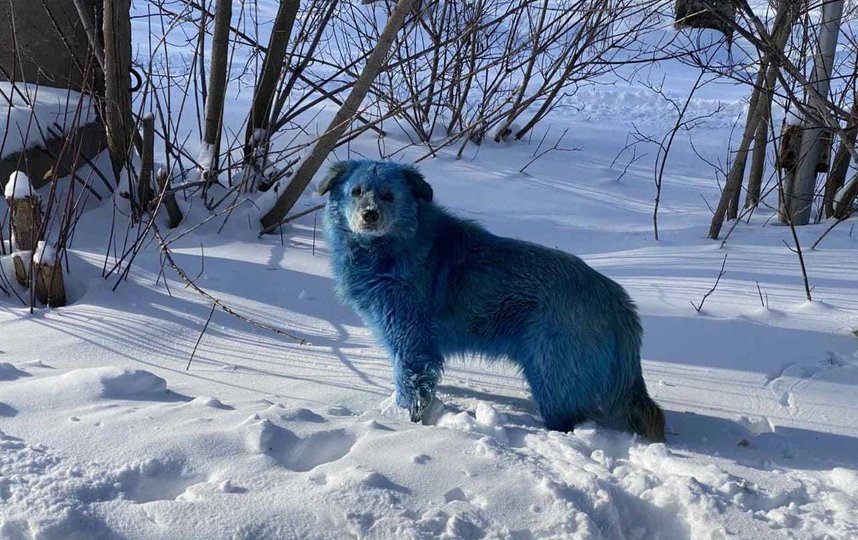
(34, 112)
(104, 433)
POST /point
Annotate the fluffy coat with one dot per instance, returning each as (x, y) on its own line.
(432, 285)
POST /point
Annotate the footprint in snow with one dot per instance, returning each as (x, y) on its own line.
(293, 452)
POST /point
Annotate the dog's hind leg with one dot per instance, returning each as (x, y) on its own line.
(553, 390)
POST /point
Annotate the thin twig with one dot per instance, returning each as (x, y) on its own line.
(168, 256)
(712, 290)
(191, 359)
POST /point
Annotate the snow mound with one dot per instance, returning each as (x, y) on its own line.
(115, 383)
(18, 186)
(88, 385)
(292, 452)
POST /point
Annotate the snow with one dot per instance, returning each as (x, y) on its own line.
(18, 186)
(206, 156)
(45, 254)
(841, 193)
(104, 433)
(34, 110)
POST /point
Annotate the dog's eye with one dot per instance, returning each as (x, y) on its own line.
(356, 192)
(387, 197)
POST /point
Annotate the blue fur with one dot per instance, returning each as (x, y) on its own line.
(434, 285)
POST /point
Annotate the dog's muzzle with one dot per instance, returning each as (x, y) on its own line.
(367, 220)
(370, 217)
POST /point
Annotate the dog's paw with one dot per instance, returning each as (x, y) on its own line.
(415, 402)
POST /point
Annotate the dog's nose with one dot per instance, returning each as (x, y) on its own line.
(370, 216)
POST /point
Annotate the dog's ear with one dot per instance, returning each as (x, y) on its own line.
(419, 186)
(336, 174)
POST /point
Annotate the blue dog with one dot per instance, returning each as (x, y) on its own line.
(432, 285)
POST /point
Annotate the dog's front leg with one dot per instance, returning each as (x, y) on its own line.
(417, 361)
(415, 378)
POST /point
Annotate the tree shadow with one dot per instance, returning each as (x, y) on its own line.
(736, 344)
(787, 447)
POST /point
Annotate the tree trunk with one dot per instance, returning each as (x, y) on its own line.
(761, 139)
(733, 185)
(799, 189)
(837, 176)
(147, 159)
(341, 121)
(737, 170)
(844, 198)
(272, 67)
(217, 87)
(117, 60)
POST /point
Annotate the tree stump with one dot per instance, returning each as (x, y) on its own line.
(50, 289)
(26, 221)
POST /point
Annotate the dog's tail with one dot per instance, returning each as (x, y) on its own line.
(646, 418)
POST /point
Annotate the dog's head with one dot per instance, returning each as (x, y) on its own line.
(375, 198)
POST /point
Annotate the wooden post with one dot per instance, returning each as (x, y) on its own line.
(26, 221)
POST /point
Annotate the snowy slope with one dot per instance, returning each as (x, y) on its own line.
(104, 433)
